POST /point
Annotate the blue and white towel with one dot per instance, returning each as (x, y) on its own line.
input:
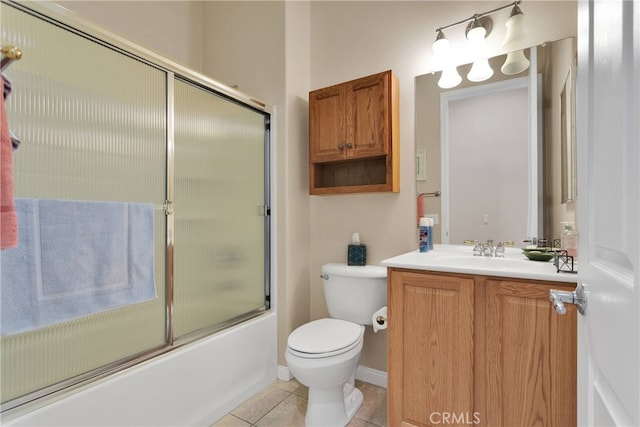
(75, 258)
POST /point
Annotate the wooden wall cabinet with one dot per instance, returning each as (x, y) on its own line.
(478, 350)
(353, 136)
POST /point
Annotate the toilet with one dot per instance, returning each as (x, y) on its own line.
(323, 354)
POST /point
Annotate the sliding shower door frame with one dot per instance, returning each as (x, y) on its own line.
(61, 17)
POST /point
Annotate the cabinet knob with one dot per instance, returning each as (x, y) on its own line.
(340, 147)
(349, 145)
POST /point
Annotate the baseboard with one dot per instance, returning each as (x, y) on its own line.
(363, 373)
(284, 374)
(371, 376)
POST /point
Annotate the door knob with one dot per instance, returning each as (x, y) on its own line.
(340, 147)
(560, 298)
(349, 145)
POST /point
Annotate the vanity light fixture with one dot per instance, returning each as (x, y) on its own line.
(478, 28)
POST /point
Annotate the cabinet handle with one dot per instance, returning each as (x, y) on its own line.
(349, 145)
(340, 147)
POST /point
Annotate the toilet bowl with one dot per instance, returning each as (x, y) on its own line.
(327, 369)
(324, 354)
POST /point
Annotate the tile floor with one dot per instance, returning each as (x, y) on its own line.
(284, 403)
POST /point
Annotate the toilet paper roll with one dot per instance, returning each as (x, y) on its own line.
(379, 319)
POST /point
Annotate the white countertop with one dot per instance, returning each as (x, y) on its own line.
(460, 259)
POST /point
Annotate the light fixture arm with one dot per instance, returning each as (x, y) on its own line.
(483, 14)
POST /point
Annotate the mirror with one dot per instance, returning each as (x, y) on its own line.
(496, 159)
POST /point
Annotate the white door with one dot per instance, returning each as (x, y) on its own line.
(609, 211)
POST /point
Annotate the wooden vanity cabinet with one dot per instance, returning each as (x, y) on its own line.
(353, 136)
(479, 350)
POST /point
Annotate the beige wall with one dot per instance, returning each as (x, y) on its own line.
(263, 48)
(278, 51)
(353, 39)
(171, 28)
(561, 60)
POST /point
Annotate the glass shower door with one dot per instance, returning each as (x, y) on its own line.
(220, 202)
(93, 125)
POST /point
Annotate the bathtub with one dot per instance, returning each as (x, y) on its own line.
(191, 386)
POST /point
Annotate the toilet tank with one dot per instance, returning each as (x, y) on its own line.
(354, 293)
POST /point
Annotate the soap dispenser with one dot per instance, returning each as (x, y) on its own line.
(569, 239)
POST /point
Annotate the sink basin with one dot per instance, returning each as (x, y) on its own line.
(483, 262)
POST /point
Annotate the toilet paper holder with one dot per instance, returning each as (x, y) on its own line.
(379, 319)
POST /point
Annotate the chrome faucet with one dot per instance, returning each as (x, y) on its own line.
(487, 249)
(478, 249)
(483, 249)
(500, 249)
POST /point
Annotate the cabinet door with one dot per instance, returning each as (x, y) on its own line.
(368, 129)
(530, 356)
(430, 347)
(327, 124)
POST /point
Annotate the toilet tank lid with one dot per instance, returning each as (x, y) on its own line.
(364, 271)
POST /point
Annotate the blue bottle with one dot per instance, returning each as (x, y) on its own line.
(424, 234)
(430, 233)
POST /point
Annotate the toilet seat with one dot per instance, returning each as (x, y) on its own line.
(324, 338)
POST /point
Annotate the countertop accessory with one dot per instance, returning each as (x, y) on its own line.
(539, 255)
(564, 262)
